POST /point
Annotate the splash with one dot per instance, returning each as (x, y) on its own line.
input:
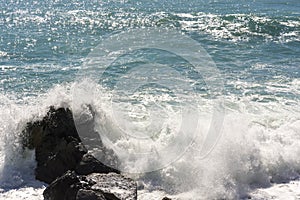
(259, 146)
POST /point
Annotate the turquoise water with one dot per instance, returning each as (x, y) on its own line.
(255, 46)
(45, 43)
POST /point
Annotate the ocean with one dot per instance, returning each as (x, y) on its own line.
(199, 99)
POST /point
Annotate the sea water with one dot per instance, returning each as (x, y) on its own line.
(149, 113)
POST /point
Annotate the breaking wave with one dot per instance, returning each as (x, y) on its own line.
(260, 144)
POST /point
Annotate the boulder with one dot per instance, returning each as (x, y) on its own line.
(58, 147)
(89, 195)
(66, 156)
(65, 164)
(64, 187)
(96, 186)
(114, 186)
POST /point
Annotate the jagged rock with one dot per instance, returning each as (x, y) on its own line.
(89, 164)
(63, 188)
(64, 162)
(114, 186)
(58, 147)
(65, 157)
(96, 186)
(57, 124)
(89, 195)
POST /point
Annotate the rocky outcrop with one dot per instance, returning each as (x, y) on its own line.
(109, 186)
(89, 195)
(89, 164)
(114, 186)
(58, 147)
(64, 162)
(64, 187)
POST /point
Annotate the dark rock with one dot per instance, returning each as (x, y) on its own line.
(58, 147)
(64, 162)
(89, 164)
(58, 123)
(166, 198)
(72, 187)
(56, 142)
(83, 194)
(96, 186)
(65, 157)
(114, 186)
(63, 188)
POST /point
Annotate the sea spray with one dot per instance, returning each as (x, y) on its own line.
(259, 146)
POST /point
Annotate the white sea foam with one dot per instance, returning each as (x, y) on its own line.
(260, 144)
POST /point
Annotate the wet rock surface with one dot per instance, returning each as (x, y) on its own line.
(109, 186)
(89, 164)
(56, 142)
(89, 195)
(65, 164)
(114, 186)
(64, 187)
